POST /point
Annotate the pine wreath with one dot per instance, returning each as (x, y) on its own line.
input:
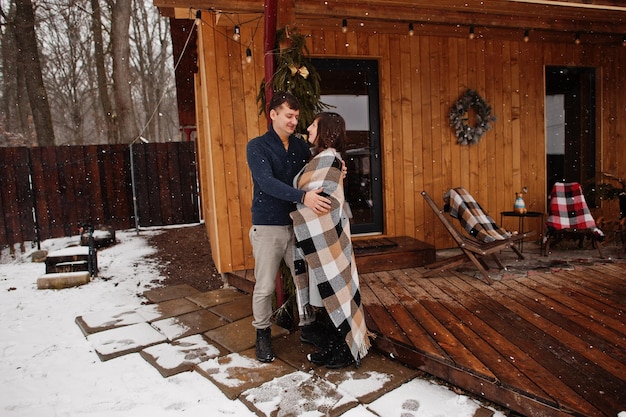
(467, 134)
(294, 73)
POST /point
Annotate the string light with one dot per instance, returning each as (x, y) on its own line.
(236, 33)
(577, 39)
(526, 35)
(471, 32)
(248, 55)
(624, 40)
(411, 29)
(344, 26)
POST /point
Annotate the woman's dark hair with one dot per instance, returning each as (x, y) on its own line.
(331, 131)
(282, 97)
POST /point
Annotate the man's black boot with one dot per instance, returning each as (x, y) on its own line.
(264, 345)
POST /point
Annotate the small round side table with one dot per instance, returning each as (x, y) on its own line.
(521, 218)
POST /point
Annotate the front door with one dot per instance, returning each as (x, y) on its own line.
(350, 88)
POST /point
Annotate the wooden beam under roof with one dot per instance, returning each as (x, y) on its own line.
(591, 16)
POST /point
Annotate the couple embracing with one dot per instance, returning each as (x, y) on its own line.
(299, 215)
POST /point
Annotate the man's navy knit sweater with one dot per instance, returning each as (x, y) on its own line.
(273, 169)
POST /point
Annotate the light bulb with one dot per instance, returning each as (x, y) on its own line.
(411, 29)
(344, 26)
(471, 33)
(526, 35)
(248, 55)
(236, 33)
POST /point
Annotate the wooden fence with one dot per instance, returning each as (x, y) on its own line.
(48, 192)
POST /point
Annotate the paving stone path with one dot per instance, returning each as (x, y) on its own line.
(182, 329)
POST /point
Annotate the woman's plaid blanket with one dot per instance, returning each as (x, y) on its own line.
(479, 224)
(568, 209)
(325, 242)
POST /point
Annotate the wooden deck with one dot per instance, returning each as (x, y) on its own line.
(543, 344)
(549, 344)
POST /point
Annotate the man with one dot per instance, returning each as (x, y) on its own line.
(274, 160)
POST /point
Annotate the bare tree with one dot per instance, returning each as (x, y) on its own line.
(122, 80)
(101, 73)
(153, 66)
(66, 51)
(107, 69)
(29, 65)
(15, 128)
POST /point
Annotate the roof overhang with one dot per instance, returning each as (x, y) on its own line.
(586, 16)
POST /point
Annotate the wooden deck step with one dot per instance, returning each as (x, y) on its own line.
(372, 255)
(385, 254)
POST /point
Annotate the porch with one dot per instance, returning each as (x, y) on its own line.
(548, 338)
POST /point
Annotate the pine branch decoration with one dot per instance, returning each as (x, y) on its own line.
(295, 73)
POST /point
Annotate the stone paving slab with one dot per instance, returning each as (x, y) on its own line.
(212, 298)
(297, 393)
(188, 324)
(239, 335)
(167, 309)
(158, 295)
(180, 355)
(291, 350)
(237, 309)
(376, 376)
(119, 341)
(237, 372)
(381, 373)
(105, 320)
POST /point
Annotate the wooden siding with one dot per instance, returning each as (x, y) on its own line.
(421, 76)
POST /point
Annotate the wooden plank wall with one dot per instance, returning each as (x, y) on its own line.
(16, 197)
(420, 78)
(73, 185)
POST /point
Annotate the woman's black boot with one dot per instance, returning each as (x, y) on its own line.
(341, 357)
(323, 356)
(314, 334)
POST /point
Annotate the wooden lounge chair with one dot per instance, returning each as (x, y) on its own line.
(483, 238)
(569, 218)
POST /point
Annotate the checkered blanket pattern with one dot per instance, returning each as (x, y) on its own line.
(325, 243)
(472, 217)
(568, 208)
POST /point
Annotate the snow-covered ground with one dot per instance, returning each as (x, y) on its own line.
(49, 368)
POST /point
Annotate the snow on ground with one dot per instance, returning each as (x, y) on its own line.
(49, 368)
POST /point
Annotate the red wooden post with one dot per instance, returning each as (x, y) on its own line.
(271, 16)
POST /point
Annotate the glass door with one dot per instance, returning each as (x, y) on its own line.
(350, 88)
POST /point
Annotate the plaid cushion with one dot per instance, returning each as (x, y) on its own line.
(568, 208)
(472, 217)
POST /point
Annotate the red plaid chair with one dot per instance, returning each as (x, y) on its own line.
(570, 218)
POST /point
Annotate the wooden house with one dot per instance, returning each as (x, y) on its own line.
(553, 74)
(402, 65)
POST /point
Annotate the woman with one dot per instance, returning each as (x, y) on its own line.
(324, 242)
